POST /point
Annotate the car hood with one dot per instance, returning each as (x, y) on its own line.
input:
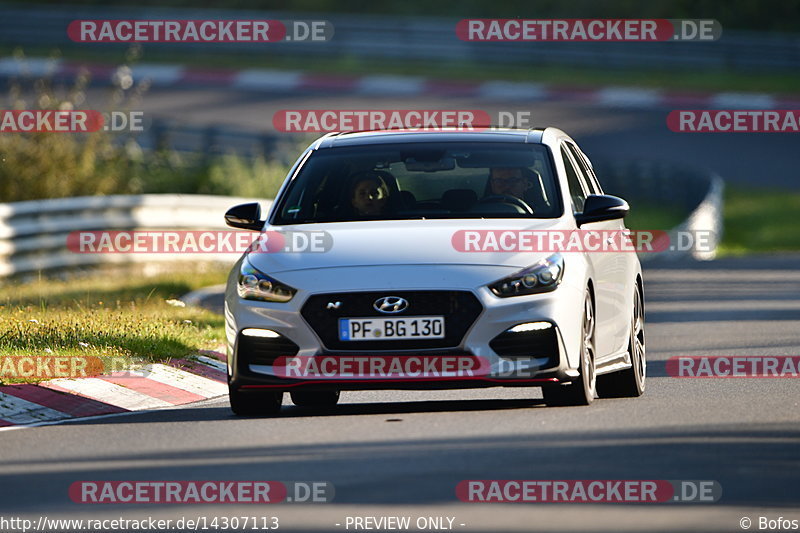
(395, 243)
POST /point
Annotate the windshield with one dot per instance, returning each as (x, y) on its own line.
(414, 181)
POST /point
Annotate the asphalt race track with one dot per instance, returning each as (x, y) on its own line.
(762, 159)
(403, 453)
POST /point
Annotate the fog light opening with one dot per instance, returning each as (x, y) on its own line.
(530, 326)
(255, 332)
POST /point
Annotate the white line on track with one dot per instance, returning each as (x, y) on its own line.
(82, 419)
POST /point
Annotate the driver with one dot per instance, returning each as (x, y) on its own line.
(508, 181)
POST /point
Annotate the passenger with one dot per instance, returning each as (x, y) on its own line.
(370, 195)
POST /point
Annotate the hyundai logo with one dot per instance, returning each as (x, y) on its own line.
(390, 304)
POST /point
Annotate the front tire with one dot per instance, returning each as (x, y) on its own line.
(629, 383)
(582, 390)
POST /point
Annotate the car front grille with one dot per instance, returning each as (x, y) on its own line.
(460, 309)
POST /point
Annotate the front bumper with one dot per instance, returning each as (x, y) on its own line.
(553, 357)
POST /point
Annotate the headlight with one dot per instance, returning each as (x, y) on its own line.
(544, 276)
(255, 285)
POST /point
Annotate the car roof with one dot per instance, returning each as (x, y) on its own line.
(362, 138)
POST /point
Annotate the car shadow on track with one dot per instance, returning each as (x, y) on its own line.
(212, 413)
(389, 408)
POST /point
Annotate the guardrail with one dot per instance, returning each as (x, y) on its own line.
(214, 139)
(33, 234)
(414, 38)
(696, 193)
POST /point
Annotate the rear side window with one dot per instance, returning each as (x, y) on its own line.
(586, 170)
(576, 189)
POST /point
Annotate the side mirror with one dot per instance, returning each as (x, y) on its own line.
(598, 207)
(245, 216)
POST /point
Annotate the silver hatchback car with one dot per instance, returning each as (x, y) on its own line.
(443, 261)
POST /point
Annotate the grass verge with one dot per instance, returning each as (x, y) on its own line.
(49, 164)
(760, 220)
(755, 220)
(110, 315)
(653, 217)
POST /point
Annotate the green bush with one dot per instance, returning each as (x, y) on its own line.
(55, 165)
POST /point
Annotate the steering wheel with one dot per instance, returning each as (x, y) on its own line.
(507, 199)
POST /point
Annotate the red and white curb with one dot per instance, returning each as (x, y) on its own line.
(282, 81)
(156, 386)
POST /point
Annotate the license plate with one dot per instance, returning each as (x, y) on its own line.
(376, 328)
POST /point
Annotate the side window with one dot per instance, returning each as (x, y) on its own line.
(592, 175)
(577, 190)
(588, 174)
